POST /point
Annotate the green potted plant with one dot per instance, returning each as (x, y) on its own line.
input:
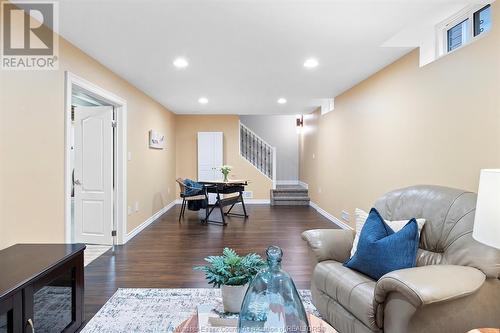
(232, 273)
(226, 169)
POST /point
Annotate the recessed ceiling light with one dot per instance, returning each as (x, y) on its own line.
(311, 63)
(203, 100)
(282, 101)
(181, 63)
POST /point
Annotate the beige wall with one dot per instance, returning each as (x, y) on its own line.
(187, 128)
(32, 149)
(406, 125)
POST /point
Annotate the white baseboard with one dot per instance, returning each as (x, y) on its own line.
(150, 220)
(330, 216)
(287, 182)
(305, 185)
(257, 201)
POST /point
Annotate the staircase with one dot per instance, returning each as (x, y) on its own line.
(263, 157)
(258, 152)
(290, 195)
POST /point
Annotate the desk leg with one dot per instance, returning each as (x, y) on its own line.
(230, 208)
(240, 199)
(206, 214)
(219, 202)
(243, 204)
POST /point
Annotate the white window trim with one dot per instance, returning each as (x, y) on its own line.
(443, 27)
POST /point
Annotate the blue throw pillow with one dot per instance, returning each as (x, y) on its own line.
(381, 250)
(192, 187)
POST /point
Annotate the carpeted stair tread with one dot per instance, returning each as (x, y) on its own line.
(290, 203)
(290, 196)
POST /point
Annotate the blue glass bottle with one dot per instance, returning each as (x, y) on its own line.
(272, 303)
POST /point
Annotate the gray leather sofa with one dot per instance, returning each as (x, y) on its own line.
(454, 288)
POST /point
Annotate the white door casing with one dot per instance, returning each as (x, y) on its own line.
(93, 175)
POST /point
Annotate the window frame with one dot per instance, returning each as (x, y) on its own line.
(475, 15)
(465, 35)
(467, 14)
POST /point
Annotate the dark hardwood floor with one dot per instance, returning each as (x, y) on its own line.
(163, 255)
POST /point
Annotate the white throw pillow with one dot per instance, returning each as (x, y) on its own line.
(361, 217)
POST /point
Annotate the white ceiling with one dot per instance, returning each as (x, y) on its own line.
(243, 55)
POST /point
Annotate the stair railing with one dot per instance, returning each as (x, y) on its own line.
(258, 152)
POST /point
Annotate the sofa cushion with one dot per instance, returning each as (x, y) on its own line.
(352, 290)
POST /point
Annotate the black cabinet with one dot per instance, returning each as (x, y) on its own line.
(11, 314)
(41, 288)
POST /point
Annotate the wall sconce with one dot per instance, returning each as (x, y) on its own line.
(299, 123)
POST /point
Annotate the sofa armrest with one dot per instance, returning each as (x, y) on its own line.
(329, 244)
(429, 284)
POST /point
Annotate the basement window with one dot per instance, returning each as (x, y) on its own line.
(457, 35)
(482, 20)
(464, 28)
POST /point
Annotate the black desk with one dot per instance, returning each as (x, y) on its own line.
(230, 187)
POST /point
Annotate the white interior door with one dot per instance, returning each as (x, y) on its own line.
(93, 175)
(210, 158)
(210, 155)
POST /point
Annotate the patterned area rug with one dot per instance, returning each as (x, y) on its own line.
(158, 310)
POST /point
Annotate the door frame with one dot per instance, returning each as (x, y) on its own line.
(76, 83)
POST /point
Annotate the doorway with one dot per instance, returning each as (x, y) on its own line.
(95, 164)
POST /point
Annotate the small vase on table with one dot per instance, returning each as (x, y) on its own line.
(225, 169)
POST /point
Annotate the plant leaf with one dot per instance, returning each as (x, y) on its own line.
(230, 268)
